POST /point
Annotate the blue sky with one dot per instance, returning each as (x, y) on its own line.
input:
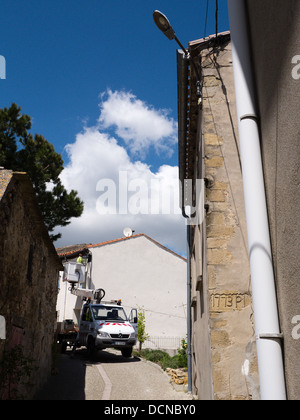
(68, 61)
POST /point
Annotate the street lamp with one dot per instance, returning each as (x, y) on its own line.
(163, 24)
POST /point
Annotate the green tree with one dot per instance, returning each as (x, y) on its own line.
(142, 335)
(21, 151)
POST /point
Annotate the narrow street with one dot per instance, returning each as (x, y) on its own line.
(110, 377)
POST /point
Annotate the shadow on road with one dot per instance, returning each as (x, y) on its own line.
(111, 356)
(69, 382)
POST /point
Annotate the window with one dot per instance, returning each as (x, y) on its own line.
(109, 313)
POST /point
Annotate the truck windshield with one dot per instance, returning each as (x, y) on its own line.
(108, 313)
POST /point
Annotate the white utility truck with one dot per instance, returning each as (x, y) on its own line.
(105, 324)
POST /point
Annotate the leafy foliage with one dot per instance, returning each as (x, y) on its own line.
(21, 151)
(165, 360)
(142, 335)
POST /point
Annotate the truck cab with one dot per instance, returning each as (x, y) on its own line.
(106, 325)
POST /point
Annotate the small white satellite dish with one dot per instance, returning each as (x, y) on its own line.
(127, 232)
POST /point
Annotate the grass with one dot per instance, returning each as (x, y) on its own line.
(164, 360)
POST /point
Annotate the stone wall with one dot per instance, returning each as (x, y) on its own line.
(28, 278)
(223, 293)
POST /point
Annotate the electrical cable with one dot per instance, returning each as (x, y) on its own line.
(217, 18)
(206, 18)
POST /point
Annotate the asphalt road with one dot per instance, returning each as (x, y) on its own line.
(110, 377)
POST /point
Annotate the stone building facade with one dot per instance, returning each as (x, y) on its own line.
(28, 279)
(224, 362)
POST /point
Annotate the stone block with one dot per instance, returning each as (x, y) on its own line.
(219, 339)
(213, 243)
(216, 218)
(218, 256)
(220, 231)
(212, 139)
(211, 81)
(216, 196)
(214, 162)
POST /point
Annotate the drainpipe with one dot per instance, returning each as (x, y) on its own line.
(182, 72)
(189, 320)
(268, 336)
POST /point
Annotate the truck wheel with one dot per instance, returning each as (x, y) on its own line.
(127, 352)
(91, 348)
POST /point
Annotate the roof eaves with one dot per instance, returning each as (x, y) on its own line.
(211, 39)
(71, 254)
(133, 237)
(115, 240)
(165, 248)
(188, 105)
(74, 253)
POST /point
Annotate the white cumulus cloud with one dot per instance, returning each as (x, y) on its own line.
(138, 124)
(117, 190)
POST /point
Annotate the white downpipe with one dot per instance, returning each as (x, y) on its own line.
(268, 337)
